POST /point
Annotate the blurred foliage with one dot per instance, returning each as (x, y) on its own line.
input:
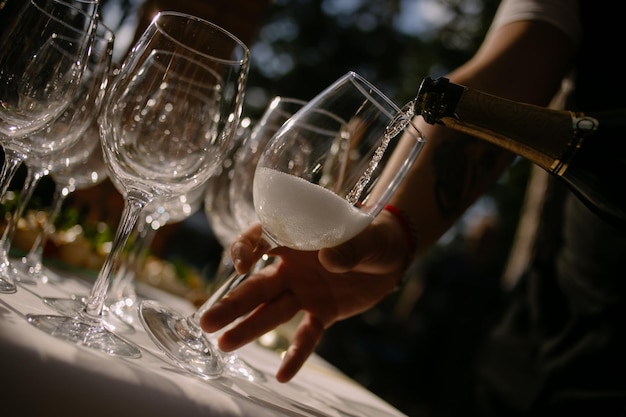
(304, 45)
(67, 218)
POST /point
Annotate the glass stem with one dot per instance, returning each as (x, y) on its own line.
(30, 183)
(132, 210)
(12, 161)
(33, 260)
(265, 244)
(122, 285)
(229, 284)
(224, 270)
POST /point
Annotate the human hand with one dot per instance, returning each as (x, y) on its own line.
(328, 285)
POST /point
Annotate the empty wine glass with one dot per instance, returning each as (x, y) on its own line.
(39, 75)
(63, 142)
(318, 182)
(168, 118)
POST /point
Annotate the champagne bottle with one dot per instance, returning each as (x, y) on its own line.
(586, 150)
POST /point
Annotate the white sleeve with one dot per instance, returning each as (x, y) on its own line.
(563, 14)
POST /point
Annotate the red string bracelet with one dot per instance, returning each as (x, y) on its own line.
(407, 227)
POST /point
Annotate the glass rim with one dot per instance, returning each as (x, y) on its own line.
(353, 75)
(245, 49)
(108, 35)
(155, 53)
(284, 99)
(63, 3)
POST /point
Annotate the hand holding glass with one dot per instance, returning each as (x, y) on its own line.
(319, 182)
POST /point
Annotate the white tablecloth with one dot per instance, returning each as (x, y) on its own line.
(44, 376)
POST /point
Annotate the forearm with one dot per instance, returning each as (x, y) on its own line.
(452, 171)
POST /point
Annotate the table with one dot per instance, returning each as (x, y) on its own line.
(44, 376)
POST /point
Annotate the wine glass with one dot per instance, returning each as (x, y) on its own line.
(326, 194)
(122, 298)
(63, 142)
(318, 182)
(168, 118)
(39, 76)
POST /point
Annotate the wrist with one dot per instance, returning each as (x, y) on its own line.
(408, 231)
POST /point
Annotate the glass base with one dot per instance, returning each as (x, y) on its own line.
(180, 340)
(124, 310)
(7, 286)
(66, 306)
(74, 305)
(27, 274)
(88, 333)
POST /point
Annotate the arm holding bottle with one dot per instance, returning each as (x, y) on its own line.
(523, 61)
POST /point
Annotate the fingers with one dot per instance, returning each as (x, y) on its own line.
(255, 290)
(267, 317)
(246, 249)
(307, 337)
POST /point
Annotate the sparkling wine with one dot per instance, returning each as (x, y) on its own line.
(586, 150)
(302, 215)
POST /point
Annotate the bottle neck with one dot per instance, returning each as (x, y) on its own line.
(547, 137)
